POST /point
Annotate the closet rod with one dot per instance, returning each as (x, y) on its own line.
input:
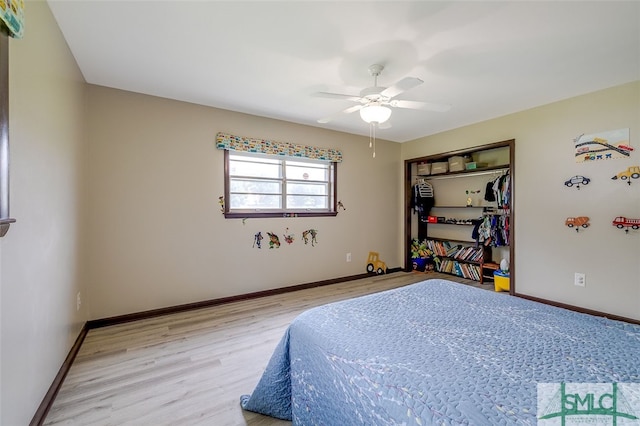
(488, 172)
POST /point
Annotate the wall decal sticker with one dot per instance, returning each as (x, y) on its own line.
(274, 241)
(257, 240)
(288, 237)
(602, 146)
(577, 181)
(622, 222)
(310, 234)
(577, 222)
(632, 172)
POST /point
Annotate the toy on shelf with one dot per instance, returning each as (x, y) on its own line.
(577, 181)
(632, 172)
(421, 256)
(504, 265)
(469, 200)
(577, 222)
(621, 222)
(374, 264)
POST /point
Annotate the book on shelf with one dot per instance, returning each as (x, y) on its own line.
(464, 270)
(469, 253)
(458, 258)
(456, 251)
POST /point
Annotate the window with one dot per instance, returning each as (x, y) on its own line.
(259, 185)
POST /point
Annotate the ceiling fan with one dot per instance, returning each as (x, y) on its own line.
(374, 102)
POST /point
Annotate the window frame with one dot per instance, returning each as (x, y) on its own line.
(333, 203)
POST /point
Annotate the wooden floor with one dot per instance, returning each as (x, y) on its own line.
(190, 368)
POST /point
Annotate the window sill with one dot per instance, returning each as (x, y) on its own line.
(238, 215)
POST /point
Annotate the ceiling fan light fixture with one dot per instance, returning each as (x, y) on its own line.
(375, 113)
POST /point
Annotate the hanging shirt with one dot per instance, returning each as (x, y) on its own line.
(422, 200)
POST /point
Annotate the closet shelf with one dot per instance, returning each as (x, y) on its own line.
(463, 207)
(451, 241)
(467, 173)
(451, 223)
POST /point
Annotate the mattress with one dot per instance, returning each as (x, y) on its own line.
(437, 352)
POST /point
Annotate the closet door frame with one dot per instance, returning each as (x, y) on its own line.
(408, 179)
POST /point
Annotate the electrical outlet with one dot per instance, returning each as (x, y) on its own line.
(579, 279)
(78, 301)
(348, 257)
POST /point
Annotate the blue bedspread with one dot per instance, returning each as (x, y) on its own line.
(436, 352)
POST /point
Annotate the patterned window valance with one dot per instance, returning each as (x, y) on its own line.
(239, 143)
(12, 15)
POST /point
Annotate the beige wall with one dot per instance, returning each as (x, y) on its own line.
(40, 263)
(157, 236)
(547, 253)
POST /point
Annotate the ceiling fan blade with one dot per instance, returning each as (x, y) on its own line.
(427, 106)
(401, 86)
(336, 96)
(346, 111)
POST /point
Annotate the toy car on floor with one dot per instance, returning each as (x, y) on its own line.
(374, 264)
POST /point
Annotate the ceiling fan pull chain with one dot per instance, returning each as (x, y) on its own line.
(370, 134)
(374, 125)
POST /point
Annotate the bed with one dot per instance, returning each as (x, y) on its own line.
(436, 352)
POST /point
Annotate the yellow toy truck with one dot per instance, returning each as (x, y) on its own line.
(374, 264)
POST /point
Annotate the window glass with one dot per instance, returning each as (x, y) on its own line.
(262, 185)
(259, 167)
(255, 186)
(309, 172)
(255, 202)
(306, 202)
(302, 188)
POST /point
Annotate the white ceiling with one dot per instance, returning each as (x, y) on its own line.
(485, 59)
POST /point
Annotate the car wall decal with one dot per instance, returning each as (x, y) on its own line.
(577, 181)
